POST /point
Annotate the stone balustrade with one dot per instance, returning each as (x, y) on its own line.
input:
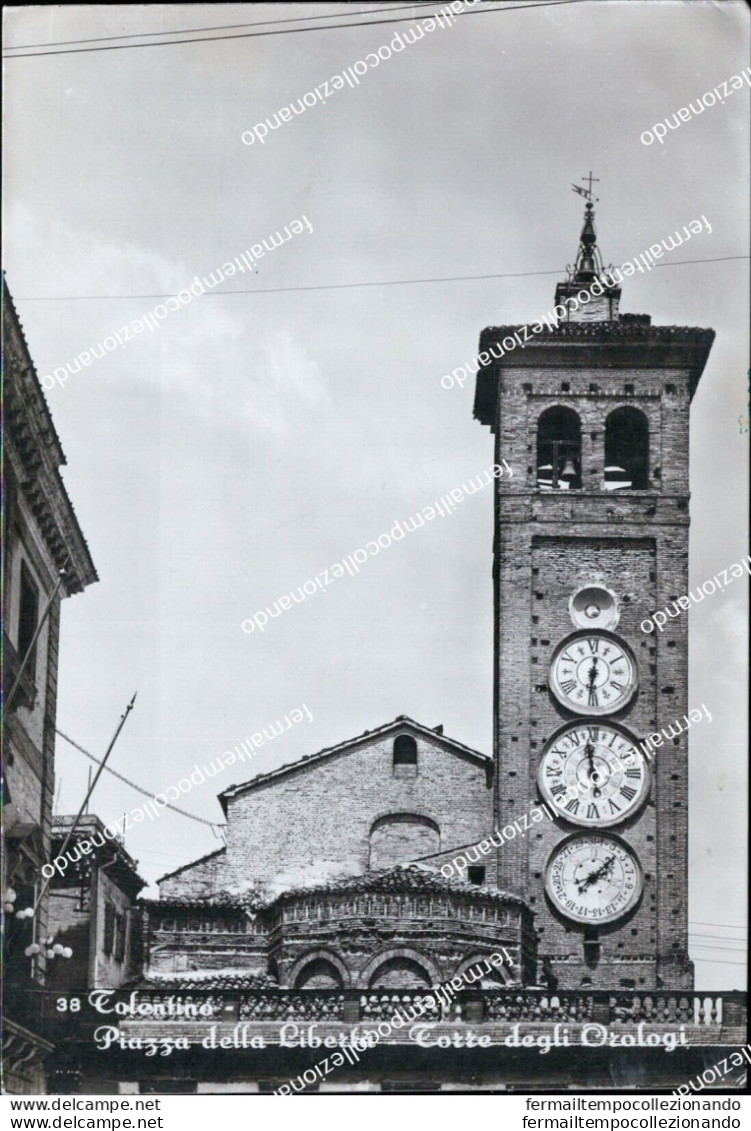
(475, 1006)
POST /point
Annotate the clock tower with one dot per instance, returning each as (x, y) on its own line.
(591, 536)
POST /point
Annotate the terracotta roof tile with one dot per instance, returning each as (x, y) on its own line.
(402, 879)
(229, 979)
(405, 878)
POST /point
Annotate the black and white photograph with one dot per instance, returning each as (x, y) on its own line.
(376, 409)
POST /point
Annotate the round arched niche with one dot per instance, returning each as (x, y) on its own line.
(318, 970)
(484, 974)
(400, 968)
(397, 838)
(400, 974)
(320, 974)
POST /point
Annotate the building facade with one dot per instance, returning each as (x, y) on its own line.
(395, 794)
(46, 559)
(92, 907)
(329, 903)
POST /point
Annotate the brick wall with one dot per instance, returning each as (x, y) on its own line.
(197, 881)
(560, 564)
(106, 970)
(400, 838)
(314, 823)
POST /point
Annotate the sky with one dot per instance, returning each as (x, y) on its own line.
(270, 428)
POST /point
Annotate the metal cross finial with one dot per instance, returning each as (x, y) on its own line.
(587, 191)
(591, 180)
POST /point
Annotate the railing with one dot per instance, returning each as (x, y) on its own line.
(475, 1006)
(707, 1019)
(623, 1008)
(298, 1006)
(618, 1010)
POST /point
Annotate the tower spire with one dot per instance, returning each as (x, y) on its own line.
(588, 260)
(589, 268)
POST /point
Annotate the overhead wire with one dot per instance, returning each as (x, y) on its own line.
(287, 31)
(729, 926)
(713, 946)
(719, 961)
(347, 286)
(731, 940)
(147, 793)
(221, 27)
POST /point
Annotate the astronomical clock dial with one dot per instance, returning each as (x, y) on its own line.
(593, 674)
(593, 879)
(594, 775)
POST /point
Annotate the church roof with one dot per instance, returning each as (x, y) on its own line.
(403, 879)
(248, 900)
(192, 864)
(227, 979)
(401, 724)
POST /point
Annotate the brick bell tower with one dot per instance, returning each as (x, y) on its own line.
(591, 535)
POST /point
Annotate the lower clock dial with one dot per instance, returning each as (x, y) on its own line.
(593, 879)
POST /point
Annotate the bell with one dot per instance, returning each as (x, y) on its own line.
(569, 471)
(587, 265)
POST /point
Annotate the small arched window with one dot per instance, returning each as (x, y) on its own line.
(559, 450)
(405, 751)
(626, 450)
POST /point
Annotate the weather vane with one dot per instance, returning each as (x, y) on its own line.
(587, 191)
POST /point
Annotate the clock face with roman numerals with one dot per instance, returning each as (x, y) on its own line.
(593, 673)
(594, 775)
(593, 879)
